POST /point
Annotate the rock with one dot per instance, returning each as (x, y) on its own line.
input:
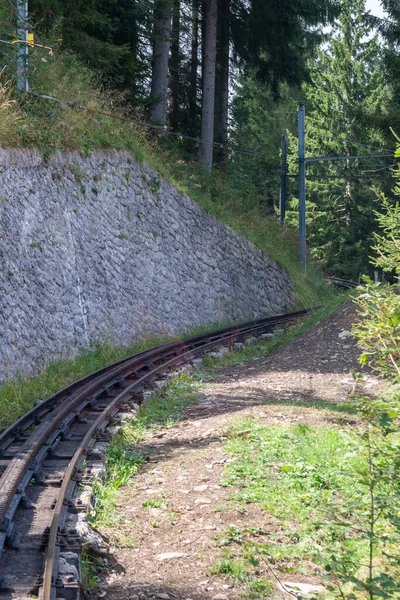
(170, 555)
(238, 346)
(90, 539)
(301, 589)
(344, 334)
(162, 596)
(146, 396)
(250, 340)
(220, 597)
(197, 362)
(201, 488)
(203, 501)
(266, 336)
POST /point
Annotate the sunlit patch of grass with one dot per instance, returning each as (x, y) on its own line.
(298, 475)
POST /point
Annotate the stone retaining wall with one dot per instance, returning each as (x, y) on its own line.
(100, 247)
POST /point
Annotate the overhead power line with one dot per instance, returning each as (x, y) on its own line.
(161, 128)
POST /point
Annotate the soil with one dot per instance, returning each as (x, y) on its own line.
(174, 535)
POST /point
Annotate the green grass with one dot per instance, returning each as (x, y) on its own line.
(302, 477)
(124, 460)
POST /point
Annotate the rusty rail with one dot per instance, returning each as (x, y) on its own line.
(52, 417)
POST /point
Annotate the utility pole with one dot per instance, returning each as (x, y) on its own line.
(283, 178)
(302, 185)
(22, 52)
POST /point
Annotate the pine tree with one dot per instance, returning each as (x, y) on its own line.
(275, 37)
(390, 29)
(343, 101)
(161, 49)
(208, 100)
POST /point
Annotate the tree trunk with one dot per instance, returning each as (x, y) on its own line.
(207, 117)
(203, 38)
(222, 97)
(133, 49)
(161, 46)
(175, 67)
(194, 65)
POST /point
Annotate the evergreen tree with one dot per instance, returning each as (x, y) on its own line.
(109, 36)
(343, 102)
(258, 121)
(275, 37)
(390, 29)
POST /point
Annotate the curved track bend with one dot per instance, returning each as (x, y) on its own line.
(52, 448)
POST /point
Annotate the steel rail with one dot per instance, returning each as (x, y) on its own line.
(115, 370)
(49, 561)
(344, 284)
(81, 394)
(18, 467)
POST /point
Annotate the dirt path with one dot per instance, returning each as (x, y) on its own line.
(172, 513)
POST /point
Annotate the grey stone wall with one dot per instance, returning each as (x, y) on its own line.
(101, 247)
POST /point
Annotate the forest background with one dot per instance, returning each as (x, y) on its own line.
(220, 81)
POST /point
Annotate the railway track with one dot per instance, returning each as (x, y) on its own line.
(342, 284)
(52, 449)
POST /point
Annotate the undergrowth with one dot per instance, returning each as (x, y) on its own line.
(298, 475)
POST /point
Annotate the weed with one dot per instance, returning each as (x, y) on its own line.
(155, 184)
(295, 474)
(78, 173)
(155, 503)
(236, 568)
(89, 569)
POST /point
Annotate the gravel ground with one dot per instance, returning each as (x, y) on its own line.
(173, 538)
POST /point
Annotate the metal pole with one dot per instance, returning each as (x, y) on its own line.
(283, 178)
(302, 186)
(22, 52)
